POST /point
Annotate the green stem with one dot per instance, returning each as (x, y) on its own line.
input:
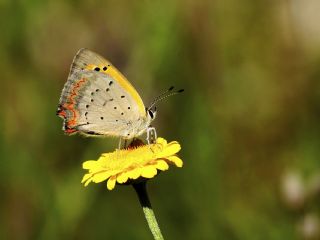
(147, 210)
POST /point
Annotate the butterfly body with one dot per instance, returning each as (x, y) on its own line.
(98, 100)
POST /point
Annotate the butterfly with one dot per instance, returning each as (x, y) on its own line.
(97, 100)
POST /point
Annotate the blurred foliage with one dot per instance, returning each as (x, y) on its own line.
(248, 120)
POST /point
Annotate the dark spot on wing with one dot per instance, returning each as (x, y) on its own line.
(122, 96)
(97, 69)
(115, 108)
(93, 133)
(87, 105)
(107, 89)
(129, 107)
(110, 83)
(97, 90)
(101, 118)
(104, 68)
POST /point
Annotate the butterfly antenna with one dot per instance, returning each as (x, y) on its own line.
(164, 95)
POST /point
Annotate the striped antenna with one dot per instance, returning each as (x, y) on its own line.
(168, 93)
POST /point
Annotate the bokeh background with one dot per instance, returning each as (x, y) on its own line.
(248, 121)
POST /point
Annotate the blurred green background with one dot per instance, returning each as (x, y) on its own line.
(248, 121)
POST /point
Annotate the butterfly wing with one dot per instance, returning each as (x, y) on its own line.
(89, 60)
(98, 100)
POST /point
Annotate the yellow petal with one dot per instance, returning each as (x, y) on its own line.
(86, 177)
(87, 182)
(171, 149)
(99, 177)
(122, 178)
(135, 173)
(104, 158)
(177, 161)
(111, 183)
(162, 165)
(89, 164)
(162, 141)
(149, 172)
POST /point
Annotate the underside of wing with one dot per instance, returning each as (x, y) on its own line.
(91, 61)
(94, 103)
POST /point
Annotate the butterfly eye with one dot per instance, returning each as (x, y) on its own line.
(152, 113)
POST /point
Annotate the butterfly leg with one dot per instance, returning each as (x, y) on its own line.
(151, 135)
(119, 145)
(124, 144)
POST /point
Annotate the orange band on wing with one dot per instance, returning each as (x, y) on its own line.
(69, 106)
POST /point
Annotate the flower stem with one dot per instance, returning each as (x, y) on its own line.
(141, 190)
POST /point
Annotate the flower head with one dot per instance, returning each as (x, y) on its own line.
(123, 166)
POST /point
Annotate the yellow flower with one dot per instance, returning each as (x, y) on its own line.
(123, 166)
